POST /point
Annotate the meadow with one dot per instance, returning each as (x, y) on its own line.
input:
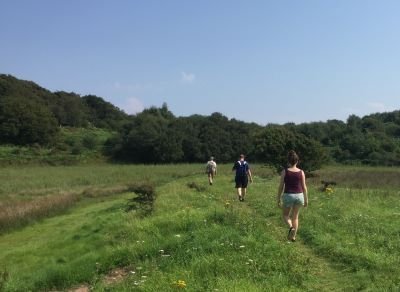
(163, 228)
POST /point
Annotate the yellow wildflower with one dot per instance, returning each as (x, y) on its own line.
(180, 284)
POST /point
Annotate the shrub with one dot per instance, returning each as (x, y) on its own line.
(273, 143)
(195, 186)
(144, 199)
(89, 142)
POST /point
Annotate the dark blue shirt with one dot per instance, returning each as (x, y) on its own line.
(241, 167)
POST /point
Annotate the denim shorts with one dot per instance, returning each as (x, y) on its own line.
(290, 200)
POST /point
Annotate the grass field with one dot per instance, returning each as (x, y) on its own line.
(193, 236)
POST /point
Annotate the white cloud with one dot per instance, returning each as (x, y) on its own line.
(132, 106)
(187, 77)
(377, 106)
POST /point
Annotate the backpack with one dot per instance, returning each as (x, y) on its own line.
(242, 168)
(210, 166)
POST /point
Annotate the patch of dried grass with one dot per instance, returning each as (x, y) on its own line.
(21, 213)
(116, 275)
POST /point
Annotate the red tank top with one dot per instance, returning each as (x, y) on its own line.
(293, 182)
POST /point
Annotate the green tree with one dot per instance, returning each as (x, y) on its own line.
(274, 142)
(189, 127)
(24, 121)
(152, 137)
(70, 110)
(103, 114)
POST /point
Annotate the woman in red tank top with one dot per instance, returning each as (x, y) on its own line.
(292, 194)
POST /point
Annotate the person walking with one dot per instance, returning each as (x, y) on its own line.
(211, 170)
(292, 194)
(242, 176)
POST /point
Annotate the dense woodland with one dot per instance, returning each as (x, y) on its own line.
(33, 116)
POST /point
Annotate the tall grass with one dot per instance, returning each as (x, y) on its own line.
(359, 230)
(22, 213)
(32, 193)
(19, 183)
(202, 238)
(359, 177)
(207, 239)
(62, 250)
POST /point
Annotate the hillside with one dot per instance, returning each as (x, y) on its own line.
(32, 115)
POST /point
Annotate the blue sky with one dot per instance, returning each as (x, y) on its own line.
(256, 61)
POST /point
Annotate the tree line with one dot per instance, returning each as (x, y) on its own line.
(30, 114)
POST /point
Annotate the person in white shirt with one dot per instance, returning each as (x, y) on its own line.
(211, 170)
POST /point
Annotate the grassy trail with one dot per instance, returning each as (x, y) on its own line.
(261, 206)
(60, 250)
(327, 273)
(259, 219)
(204, 236)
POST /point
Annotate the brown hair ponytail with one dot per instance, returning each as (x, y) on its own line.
(293, 158)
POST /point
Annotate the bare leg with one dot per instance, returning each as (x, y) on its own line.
(239, 192)
(295, 219)
(244, 192)
(286, 216)
(210, 178)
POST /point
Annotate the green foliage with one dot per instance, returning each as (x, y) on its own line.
(72, 146)
(151, 138)
(274, 142)
(30, 114)
(103, 114)
(373, 139)
(145, 196)
(156, 136)
(24, 121)
(69, 109)
(89, 141)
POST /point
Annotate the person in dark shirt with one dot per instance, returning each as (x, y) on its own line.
(292, 194)
(242, 176)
